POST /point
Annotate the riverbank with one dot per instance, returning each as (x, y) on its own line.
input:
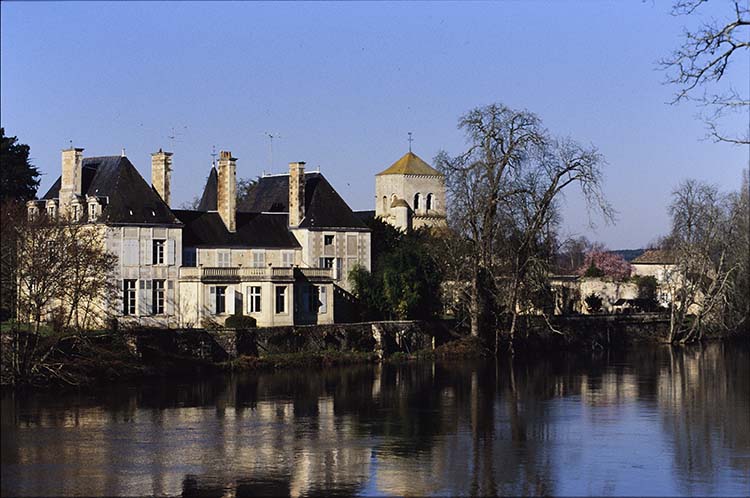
(127, 355)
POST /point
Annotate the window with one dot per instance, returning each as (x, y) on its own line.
(428, 202)
(224, 259)
(51, 211)
(189, 256)
(328, 262)
(128, 297)
(385, 204)
(259, 259)
(158, 252)
(281, 299)
(220, 304)
(76, 212)
(157, 297)
(416, 201)
(322, 300)
(287, 259)
(328, 240)
(92, 212)
(310, 300)
(130, 252)
(253, 299)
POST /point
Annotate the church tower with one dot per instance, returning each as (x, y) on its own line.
(410, 194)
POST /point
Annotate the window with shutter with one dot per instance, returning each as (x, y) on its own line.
(323, 300)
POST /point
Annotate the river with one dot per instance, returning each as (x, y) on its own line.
(655, 421)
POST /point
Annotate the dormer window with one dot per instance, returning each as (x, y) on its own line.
(51, 210)
(76, 212)
(93, 211)
(32, 211)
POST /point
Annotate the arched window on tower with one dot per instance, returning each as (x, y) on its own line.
(416, 202)
(385, 204)
(428, 203)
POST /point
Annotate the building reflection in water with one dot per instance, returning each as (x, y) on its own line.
(663, 420)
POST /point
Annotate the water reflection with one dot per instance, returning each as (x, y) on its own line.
(654, 421)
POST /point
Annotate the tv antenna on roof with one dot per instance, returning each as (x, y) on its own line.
(174, 136)
(271, 136)
(213, 155)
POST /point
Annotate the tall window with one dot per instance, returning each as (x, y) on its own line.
(428, 202)
(189, 256)
(220, 305)
(310, 300)
(128, 297)
(385, 204)
(416, 201)
(92, 212)
(225, 259)
(157, 297)
(253, 299)
(281, 299)
(287, 259)
(327, 262)
(51, 211)
(158, 252)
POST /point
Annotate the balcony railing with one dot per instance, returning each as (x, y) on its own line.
(237, 274)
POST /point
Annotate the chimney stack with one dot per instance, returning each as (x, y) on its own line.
(296, 193)
(70, 183)
(227, 190)
(161, 173)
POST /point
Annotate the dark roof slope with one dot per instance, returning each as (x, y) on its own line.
(130, 199)
(259, 230)
(324, 207)
(209, 197)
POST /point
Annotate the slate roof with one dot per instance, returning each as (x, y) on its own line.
(260, 230)
(654, 257)
(410, 164)
(324, 207)
(209, 198)
(130, 199)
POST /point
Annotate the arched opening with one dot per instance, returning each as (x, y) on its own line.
(416, 201)
(385, 204)
(428, 202)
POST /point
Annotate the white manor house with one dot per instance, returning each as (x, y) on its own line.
(282, 255)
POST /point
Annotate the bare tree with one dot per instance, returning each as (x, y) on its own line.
(704, 58)
(705, 228)
(502, 192)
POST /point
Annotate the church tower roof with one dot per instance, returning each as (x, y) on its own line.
(410, 164)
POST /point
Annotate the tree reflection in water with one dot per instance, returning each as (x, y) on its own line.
(654, 421)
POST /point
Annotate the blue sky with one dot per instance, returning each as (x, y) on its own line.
(343, 83)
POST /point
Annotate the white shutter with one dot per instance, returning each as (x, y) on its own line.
(323, 298)
(170, 252)
(212, 299)
(130, 252)
(321, 262)
(146, 248)
(170, 304)
(248, 300)
(337, 275)
(142, 308)
(229, 298)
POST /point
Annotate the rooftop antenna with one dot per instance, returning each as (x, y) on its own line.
(271, 136)
(410, 141)
(123, 152)
(174, 136)
(213, 155)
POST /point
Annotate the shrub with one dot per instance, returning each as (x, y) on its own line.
(593, 303)
(240, 322)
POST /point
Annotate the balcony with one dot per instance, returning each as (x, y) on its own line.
(212, 274)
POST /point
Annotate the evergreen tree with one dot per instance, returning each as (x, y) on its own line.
(19, 179)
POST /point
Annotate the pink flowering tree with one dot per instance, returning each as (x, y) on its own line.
(602, 263)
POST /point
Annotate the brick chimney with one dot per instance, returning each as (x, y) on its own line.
(296, 193)
(161, 173)
(226, 195)
(70, 183)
